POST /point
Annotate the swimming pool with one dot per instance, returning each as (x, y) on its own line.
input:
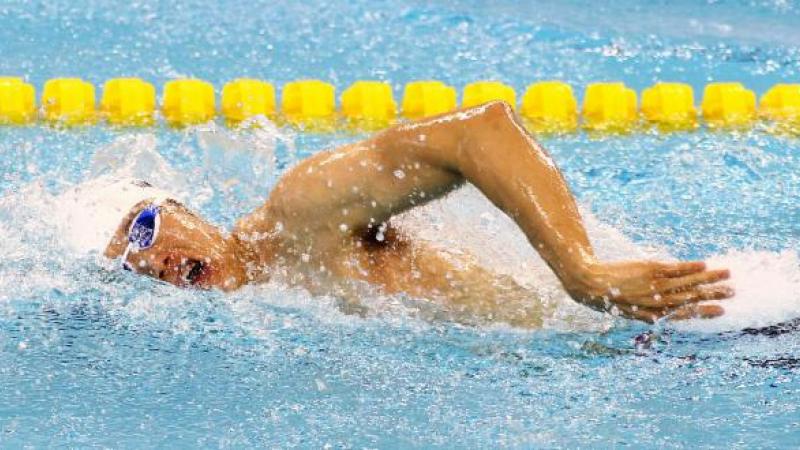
(92, 356)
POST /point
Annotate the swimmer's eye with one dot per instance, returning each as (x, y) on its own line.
(195, 269)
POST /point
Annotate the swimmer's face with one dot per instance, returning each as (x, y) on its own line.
(187, 252)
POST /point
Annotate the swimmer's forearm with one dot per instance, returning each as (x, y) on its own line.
(489, 148)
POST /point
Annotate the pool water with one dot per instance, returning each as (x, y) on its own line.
(91, 356)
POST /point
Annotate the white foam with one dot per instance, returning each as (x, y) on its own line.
(767, 288)
(136, 156)
(243, 159)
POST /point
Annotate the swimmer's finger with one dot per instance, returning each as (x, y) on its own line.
(696, 311)
(679, 298)
(690, 281)
(697, 295)
(692, 311)
(672, 270)
(644, 314)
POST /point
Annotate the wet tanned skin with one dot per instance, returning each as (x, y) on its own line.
(330, 214)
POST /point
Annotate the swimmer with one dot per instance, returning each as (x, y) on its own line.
(327, 222)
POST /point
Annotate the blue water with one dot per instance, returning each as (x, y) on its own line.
(92, 357)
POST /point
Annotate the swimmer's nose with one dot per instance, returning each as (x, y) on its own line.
(166, 268)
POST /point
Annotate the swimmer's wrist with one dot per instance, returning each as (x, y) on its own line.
(580, 277)
(580, 263)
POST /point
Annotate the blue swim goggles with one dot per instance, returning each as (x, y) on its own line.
(142, 232)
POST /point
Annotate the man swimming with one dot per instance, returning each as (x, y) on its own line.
(327, 222)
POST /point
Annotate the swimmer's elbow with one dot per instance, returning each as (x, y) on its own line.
(497, 110)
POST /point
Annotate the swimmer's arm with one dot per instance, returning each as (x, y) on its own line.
(353, 188)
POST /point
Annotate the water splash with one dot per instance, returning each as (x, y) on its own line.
(465, 222)
(767, 288)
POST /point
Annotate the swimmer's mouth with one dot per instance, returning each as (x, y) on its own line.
(195, 273)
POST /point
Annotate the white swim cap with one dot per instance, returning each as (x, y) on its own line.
(89, 214)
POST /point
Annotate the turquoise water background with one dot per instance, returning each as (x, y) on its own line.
(91, 357)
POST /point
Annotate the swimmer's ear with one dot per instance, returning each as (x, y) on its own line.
(118, 242)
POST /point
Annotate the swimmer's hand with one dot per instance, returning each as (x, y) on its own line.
(649, 290)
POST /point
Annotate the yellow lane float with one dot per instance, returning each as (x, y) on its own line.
(17, 101)
(68, 101)
(781, 103)
(188, 102)
(728, 105)
(245, 98)
(609, 107)
(369, 104)
(128, 101)
(485, 91)
(550, 107)
(427, 98)
(546, 106)
(310, 103)
(669, 106)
